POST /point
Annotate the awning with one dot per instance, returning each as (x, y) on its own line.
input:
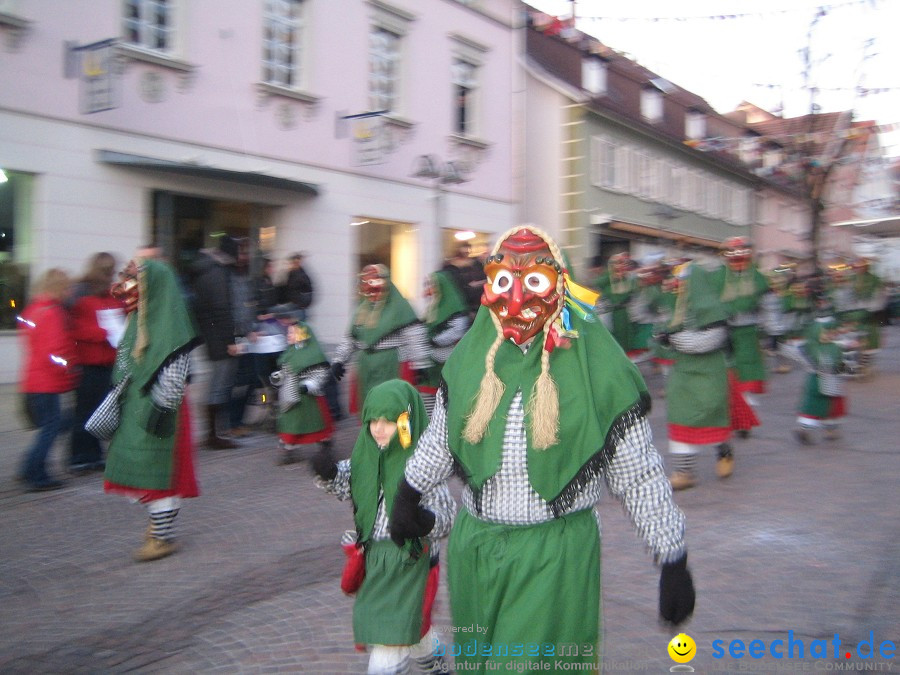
(659, 233)
(885, 226)
(199, 171)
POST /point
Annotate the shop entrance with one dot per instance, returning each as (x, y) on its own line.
(184, 224)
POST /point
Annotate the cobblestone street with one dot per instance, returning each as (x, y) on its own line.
(802, 539)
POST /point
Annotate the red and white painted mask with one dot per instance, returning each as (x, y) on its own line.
(373, 283)
(521, 288)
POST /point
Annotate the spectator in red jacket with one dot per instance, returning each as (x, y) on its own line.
(97, 320)
(48, 371)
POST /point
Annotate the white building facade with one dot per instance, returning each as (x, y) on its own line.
(355, 130)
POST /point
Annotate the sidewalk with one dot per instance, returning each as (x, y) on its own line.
(800, 539)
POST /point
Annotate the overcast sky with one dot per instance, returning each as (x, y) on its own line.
(732, 50)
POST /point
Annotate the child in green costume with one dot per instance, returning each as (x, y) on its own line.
(392, 607)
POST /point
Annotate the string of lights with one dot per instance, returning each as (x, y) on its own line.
(817, 7)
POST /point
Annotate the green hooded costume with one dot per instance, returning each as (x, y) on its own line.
(157, 332)
(449, 305)
(373, 322)
(697, 388)
(306, 417)
(617, 292)
(741, 293)
(388, 606)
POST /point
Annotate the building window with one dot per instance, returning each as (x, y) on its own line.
(593, 76)
(677, 186)
(391, 243)
(15, 244)
(695, 125)
(651, 104)
(149, 24)
(384, 69)
(465, 88)
(388, 27)
(603, 162)
(623, 166)
(282, 43)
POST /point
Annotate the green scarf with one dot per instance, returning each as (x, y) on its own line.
(374, 321)
(601, 393)
(304, 355)
(449, 303)
(161, 328)
(373, 470)
(741, 290)
(698, 304)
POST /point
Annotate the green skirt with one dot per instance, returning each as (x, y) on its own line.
(388, 607)
(525, 594)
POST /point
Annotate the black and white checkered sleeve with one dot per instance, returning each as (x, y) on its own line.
(339, 486)
(315, 379)
(431, 463)
(636, 478)
(440, 502)
(414, 347)
(699, 341)
(168, 389)
(345, 350)
(453, 333)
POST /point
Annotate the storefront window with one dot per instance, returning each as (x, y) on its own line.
(15, 249)
(394, 244)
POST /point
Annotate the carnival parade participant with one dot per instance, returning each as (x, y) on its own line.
(776, 317)
(661, 298)
(868, 299)
(697, 406)
(393, 599)
(616, 287)
(150, 456)
(390, 340)
(743, 287)
(822, 402)
(540, 411)
(447, 320)
(304, 416)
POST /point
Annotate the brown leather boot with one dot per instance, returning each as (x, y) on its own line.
(213, 440)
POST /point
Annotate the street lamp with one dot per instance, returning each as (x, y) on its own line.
(443, 173)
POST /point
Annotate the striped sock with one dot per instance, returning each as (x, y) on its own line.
(162, 524)
(684, 462)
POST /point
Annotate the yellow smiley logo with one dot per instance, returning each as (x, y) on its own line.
(682, 648)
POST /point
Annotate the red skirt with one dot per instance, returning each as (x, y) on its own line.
(742, 415)
(698, 435)
(184, 480)
(314, 436)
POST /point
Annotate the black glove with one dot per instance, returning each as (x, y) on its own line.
(338, 370)
(408, 519)
(161, 422)
(662, 339)
(303, 389)
(323, 463)
(676, 591)
(419, 376)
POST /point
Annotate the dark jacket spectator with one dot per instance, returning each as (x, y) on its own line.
(298, 290)
(265, 292)
(468, 275)
(213, 306)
